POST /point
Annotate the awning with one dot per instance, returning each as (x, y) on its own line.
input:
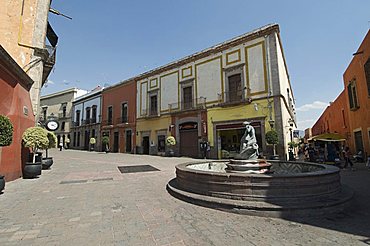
(328, 137)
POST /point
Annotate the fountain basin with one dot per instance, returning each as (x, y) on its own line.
(292, 189)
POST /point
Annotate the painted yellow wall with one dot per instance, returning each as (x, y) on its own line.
(152, 125)
(10, 26)
(239, 112)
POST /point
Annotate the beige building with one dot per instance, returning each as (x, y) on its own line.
(29, 38)
(58, 106)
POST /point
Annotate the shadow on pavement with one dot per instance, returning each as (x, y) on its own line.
(355, 219)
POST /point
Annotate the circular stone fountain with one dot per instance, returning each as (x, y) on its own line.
(291, 189)
(255, 186)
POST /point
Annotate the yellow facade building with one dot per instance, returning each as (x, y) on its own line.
(206, 97)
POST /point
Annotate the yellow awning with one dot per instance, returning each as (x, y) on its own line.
(329, 137)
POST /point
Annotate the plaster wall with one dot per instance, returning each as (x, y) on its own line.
(15, 103)
(359, 118)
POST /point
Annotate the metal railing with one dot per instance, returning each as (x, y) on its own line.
(108, 122)
(63, 116)
(233, 96)
(197, 103)
(123, 119)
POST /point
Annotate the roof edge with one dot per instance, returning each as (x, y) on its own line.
(256, 33)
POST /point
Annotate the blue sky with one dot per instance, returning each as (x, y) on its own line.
(110, 41)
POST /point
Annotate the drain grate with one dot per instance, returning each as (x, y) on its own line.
(137, 169)
(73, 182)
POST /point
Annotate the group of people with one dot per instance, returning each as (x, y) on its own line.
(315, 154)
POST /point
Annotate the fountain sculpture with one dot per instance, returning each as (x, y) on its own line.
(247, 161)
(249, 185)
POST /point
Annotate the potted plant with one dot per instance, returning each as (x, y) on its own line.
(68, 141)
(92, 143)
(105, 143)
(34, 138)
(170, 142)
(48, 161)
(272, 138)
(6, 138)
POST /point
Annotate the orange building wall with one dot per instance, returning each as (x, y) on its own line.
(13, 97)
(115, 97)
(334, 119)
(359, 119)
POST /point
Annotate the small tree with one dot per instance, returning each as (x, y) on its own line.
(92, 143)
(272, 138)
(6, 131)
(52, 141)
(105, 142)
(35, 138)
(170, 141)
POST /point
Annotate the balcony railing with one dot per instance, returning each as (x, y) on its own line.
(233, 96)
(62, 116)
(197, 103)
(123, 119)
(108, 122)
(75, 123)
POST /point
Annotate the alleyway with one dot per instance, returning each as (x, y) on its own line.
(85, 200)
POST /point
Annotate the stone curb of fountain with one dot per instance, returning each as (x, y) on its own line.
(301, 208)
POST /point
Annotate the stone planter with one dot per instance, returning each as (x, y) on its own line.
(47, 162)
(2, 183)
(32, 170)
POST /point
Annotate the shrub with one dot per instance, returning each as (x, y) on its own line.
(105, 140)
(92, 140)
(35, 138)
(52, 139)
(6, 131)
(272, 137)
(170, 141)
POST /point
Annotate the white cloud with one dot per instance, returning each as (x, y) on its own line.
(304, 124)
(312, 106)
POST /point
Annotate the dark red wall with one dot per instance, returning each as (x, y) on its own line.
(115, 97)
(13, 98)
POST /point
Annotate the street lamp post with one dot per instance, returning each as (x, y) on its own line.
(290, 150)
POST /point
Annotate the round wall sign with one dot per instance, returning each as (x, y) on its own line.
(52, 125)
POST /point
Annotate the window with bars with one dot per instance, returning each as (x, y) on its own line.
(367, 75)
(124, 113)
(93, 114)
(110, 115)
(352, 95)
(153, 105)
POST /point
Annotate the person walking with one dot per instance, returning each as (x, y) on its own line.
(347, 155)
(60, 146)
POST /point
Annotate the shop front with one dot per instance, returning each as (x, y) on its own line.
(229, 135)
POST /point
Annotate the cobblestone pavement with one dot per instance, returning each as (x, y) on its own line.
(85, 200)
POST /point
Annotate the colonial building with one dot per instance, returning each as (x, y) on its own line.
(86, 119)
(28, 37)
(349, 114)
(58, 106)
(334, 119)
(119, 116)
(27, 56)
(207, 96)
(357, 88)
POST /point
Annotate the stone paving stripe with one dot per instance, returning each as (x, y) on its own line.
(73, 182)
(137, 169)
(102, 179)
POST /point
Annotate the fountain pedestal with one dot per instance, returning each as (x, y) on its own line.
(248, 166)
